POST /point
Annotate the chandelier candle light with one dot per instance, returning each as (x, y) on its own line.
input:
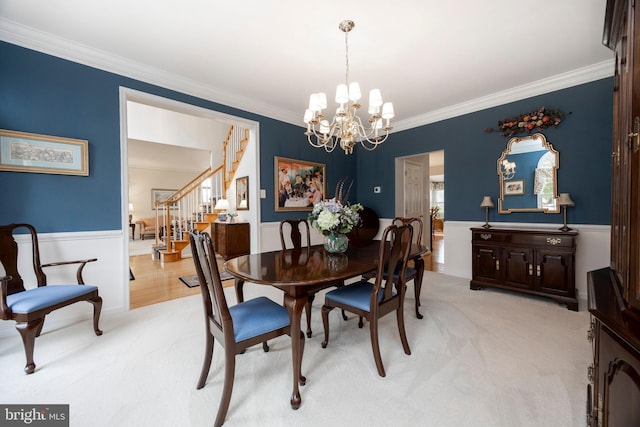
(346, 128)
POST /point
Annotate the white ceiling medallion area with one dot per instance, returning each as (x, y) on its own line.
(584, 25)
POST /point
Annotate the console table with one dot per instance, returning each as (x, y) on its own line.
(230, 239)
(538, 262)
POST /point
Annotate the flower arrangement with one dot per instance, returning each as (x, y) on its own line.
(331, 216)
(527, 122)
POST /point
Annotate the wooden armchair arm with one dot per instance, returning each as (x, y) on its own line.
(82, 263)
(5, 311)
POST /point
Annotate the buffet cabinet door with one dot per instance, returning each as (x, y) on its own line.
(486, 264)
(617, 401)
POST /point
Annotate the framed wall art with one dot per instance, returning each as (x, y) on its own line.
(242, 193)
(158, 195)
(30, 152)
(514, 187)
(299, 184)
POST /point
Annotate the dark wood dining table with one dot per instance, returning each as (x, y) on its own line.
(301, 272)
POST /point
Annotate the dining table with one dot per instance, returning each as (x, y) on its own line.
(301, 272)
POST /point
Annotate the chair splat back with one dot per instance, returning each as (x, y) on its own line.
(416, 223)
(9, 257)
(298, 227)
(215, 303)
(394, 249)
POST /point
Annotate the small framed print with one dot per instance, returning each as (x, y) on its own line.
(514, 187)
(242, 193)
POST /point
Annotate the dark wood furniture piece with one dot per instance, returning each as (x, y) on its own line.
(613, 398)
(375, 300)
(236, 328)
(537, 262)
(230, 239)
(297, 228)
(132, 226)
(28, 307)
(415, 273)
(298, 273)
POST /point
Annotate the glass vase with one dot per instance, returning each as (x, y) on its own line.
(336, 243)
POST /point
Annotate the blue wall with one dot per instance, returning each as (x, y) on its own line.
(43, 94)
(583, 140)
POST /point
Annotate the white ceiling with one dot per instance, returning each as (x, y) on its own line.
(433, 59)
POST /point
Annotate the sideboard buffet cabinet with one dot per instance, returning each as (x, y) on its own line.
(613, 395)
(537, 262)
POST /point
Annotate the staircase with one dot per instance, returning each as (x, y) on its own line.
(192, 206)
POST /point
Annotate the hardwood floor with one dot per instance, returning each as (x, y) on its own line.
(437, 255)
(157, 282)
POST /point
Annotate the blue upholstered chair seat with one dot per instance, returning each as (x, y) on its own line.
(256, 317)
(356, 295)
(45, 296)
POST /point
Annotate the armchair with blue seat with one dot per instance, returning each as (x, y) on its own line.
(29, 306)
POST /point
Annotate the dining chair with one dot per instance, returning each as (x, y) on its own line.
(297, 229)
(29, 305)
(375, 300)
(237, 327)
(413, 273)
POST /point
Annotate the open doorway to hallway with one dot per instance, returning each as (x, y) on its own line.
(420, 193)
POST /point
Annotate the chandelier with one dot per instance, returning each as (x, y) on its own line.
(346, 128)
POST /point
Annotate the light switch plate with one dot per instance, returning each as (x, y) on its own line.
(263, 193)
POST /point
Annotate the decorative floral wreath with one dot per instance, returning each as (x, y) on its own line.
(529, 122)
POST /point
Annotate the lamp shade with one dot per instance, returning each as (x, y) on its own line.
(565, 200)
(222, 204)
(130, 207)
(486, 202)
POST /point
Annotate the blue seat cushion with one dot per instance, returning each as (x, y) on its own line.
(356, 295)
(256, 317)
(45, 296)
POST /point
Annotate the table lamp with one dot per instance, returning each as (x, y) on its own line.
(222, 205)
(130, 210)
(565, 200)
(486, 203)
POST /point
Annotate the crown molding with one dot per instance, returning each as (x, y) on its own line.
(561, 81)
(47, 43)
(40, 41)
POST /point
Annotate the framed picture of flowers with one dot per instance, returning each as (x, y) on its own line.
(298, 184)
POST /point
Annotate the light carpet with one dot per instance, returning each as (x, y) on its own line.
(479, 358)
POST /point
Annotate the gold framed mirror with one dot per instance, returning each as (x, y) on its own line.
(528, 176)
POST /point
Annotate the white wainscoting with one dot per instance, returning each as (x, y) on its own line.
(106, 273)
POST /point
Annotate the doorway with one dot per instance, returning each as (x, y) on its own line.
(416, 178)
(165, 278)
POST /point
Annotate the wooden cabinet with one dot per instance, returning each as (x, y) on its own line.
(231, 239)
(613, 397)
(538, 262)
